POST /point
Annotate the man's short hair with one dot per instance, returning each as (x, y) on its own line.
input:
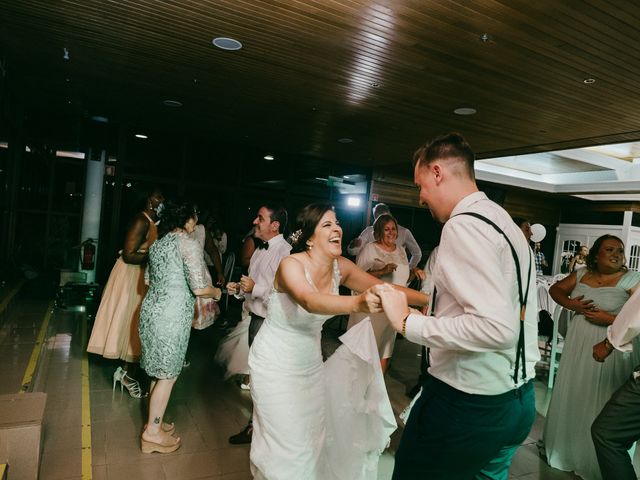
(450, 145)
(380, 209)
(520, 221)
(278, 214)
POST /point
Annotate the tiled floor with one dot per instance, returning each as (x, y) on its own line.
(206, 409)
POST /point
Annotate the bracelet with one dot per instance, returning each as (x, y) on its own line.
(404, 325)
(608, 345)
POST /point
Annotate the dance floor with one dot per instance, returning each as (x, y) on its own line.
(206, 408)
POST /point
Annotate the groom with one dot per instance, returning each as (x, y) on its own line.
(477, 404)
(269, 224)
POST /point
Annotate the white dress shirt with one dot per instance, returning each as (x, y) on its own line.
(474, 333)
(405, 240)
(262, 270)
(626, 326)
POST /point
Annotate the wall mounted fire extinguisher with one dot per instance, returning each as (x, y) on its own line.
(88, 254)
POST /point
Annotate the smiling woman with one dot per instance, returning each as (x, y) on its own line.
(596, 294)
(386, 260)
(292, 409)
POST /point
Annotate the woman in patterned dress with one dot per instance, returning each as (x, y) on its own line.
(177, 274)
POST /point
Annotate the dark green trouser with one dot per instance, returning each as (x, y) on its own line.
(614, 431)
(452, 435)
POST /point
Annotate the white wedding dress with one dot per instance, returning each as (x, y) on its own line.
(315, 421)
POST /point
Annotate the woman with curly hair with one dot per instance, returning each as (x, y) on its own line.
(177, 274)
(595, 294)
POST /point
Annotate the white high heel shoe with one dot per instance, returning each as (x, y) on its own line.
(132, 386)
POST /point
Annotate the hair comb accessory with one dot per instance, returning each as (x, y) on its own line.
(295, 236)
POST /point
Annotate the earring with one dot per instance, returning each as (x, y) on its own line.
(310, 245)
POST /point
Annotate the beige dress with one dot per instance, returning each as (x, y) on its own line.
(115, 331)
(373, 257)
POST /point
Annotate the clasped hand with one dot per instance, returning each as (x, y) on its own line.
(600, 351)
(383, 297)
(580, 305)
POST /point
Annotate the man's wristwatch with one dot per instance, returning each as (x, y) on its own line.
(608, 345)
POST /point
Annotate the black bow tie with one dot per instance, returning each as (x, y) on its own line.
(262, 245)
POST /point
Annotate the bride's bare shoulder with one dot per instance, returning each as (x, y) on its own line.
(295, 260)
(291, 266)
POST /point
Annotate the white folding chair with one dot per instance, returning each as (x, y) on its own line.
(556, 349)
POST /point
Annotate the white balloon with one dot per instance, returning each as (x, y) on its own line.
(538, 232)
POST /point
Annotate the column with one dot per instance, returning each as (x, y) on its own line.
(93, 205)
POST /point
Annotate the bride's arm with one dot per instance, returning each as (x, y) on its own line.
(357, 279)
(290, 279)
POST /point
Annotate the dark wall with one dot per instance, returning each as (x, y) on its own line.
(231, 181)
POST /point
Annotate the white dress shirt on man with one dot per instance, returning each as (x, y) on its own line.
(474, 335)
(262, 270)
(405, 240)
(626, 327)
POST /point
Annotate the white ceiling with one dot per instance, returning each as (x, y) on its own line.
(605, 172)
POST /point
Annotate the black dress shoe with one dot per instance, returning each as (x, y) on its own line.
(243, 437)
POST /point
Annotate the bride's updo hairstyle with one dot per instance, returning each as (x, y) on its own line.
(306, 223)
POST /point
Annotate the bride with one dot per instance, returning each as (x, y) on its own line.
(291, 411)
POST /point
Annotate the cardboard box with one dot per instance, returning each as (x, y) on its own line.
(21, 417)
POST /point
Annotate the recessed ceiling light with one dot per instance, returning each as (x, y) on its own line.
(465, 111)
(345, 176)
(589, 81)
(268, 157)
(172, 103)
(345, 140)
(226, 43)
(485, 37)
(100, 119)
(140, 135)
(374, 84)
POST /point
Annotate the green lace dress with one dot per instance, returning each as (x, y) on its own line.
(176, 267)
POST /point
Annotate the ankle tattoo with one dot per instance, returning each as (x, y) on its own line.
(156, 420)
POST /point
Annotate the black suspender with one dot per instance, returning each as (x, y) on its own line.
(520, 356)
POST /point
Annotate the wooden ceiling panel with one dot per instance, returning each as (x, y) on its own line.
(386, 73)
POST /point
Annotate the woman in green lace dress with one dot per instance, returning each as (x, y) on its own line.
(177, 273)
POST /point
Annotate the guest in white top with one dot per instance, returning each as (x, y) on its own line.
(579, 260)
(405, 240)
(477, 404)
(618, 426)
(385, 260)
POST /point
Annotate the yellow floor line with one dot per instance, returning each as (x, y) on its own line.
(3, 470)
(7, 299)
(37, 348)
(86, 410)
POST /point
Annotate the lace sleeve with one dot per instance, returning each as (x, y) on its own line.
(195, 270)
